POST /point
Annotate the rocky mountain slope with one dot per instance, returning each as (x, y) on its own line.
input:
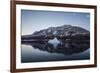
(61, 32)
(64, 30)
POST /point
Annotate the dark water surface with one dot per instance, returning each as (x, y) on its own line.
(44, 52)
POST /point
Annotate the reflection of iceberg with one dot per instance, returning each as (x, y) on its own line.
(68, 48)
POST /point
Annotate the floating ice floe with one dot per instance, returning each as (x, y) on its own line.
(54, 42)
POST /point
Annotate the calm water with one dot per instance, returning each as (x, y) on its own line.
(43, 52)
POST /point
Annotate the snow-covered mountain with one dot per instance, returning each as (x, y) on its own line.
(63, 30)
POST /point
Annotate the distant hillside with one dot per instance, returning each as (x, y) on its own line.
(61, 33)
(63, 30)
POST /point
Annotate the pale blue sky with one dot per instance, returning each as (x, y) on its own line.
(35, 20)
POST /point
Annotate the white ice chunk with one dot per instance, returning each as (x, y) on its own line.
(54, 42)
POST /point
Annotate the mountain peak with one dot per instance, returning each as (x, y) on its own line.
(62, 30)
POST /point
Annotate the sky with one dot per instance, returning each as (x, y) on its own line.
(35, 20)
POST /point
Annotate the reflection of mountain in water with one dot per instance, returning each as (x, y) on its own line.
(66, 48)
(59, 43)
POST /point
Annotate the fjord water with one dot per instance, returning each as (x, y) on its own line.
(44, 52)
